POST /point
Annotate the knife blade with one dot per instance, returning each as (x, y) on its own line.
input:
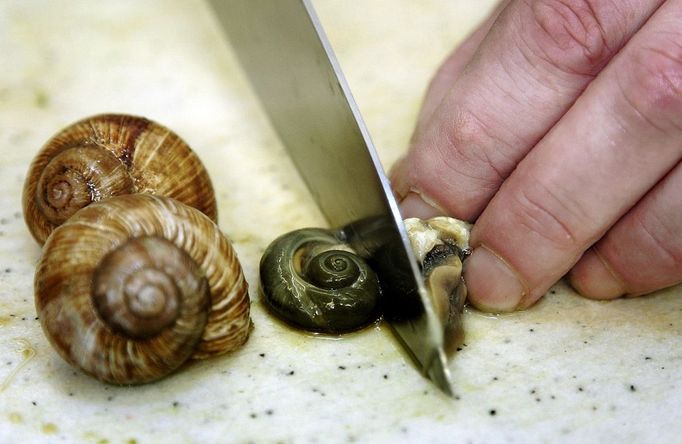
(285, 54)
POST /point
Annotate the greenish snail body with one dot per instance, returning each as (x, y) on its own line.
(129, 288)
(310, 279)
(300, 285)
(109, 155)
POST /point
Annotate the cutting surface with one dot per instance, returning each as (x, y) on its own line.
(566, 370)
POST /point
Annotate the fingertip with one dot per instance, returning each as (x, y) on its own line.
(594, 279)
(491, 283)
(414, 205)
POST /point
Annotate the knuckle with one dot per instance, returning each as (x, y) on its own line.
(653, 85)
(662, 241)
(477, 150)
(571, 34)
(547, 217)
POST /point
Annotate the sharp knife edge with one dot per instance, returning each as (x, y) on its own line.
(252, 54)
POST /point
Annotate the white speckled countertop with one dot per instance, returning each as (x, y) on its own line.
(567, 370)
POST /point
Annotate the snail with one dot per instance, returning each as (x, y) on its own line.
(441, 244)
(131, 287)
(312, 280)
(108, 155)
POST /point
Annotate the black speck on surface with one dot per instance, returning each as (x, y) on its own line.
(647, 358)
(253, 415)
(34, 403)
(269, 412)
(531, 330)
(291, 373)
(492, 412)
(552, 291)
(386, 376)
(495, 378)
(8, 270)
(580, 389)
(316, 390)
(262, 355)
(459, 349)
(633, 388)
(109, 398)
(176, 403)
(70, 393)
(341, 367)
(9, 362)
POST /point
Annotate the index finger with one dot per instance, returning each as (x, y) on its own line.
(533, 64)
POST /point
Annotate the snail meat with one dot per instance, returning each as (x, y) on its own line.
(440, 245)
(108, 155)
(310, 279)
(129, 288)
(300, 284)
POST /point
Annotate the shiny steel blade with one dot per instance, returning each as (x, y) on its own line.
(286, 56)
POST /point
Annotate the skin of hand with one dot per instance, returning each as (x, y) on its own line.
(557, 128)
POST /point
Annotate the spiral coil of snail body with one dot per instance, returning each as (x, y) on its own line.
(312, 281)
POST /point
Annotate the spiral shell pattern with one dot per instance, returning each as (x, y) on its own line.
(108, 155)
(313, 281)
(211, 319)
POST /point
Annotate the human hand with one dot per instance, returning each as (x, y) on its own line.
(557, 127)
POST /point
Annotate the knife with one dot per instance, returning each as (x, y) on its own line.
(285, 53)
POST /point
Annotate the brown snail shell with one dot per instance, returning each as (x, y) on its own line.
(108, 155)
(129, 288)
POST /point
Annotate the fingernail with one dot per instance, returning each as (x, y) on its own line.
(592, 278)
(491, 284)
(415, 206)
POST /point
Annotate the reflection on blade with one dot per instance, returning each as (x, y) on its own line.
(283, 49)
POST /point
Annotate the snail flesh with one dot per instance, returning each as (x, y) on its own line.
(440, 245)
(129, 288)
(314, 281)
(108, 155)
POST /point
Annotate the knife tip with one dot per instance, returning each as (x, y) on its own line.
(439, 374)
